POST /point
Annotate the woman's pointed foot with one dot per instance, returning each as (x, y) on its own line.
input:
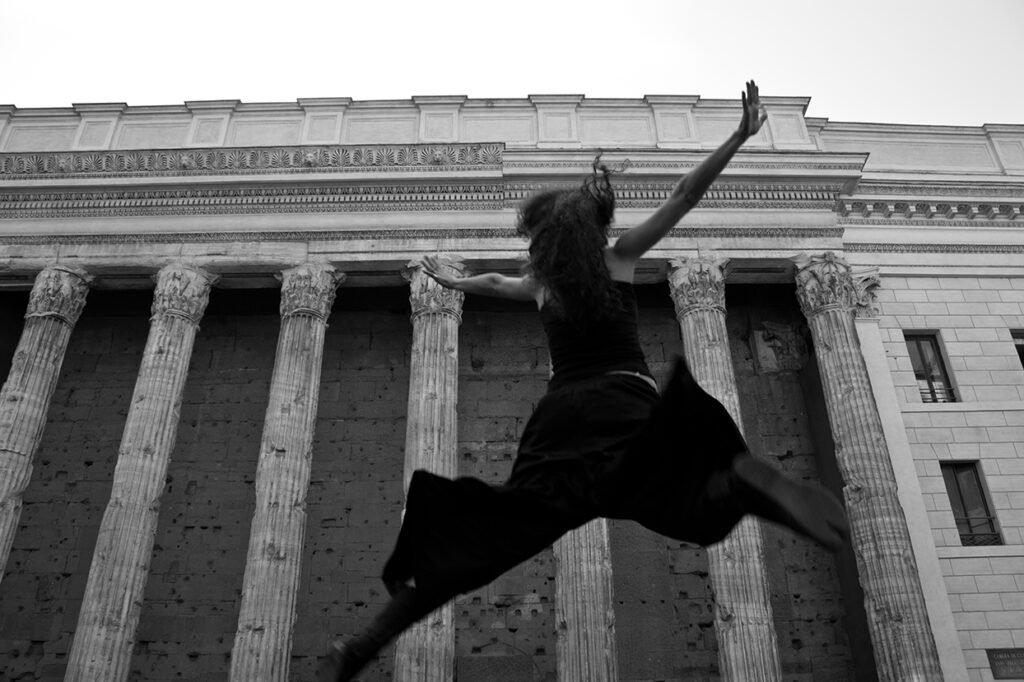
(339, 664)
(807, 509)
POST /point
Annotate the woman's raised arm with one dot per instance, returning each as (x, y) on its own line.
(689, 190)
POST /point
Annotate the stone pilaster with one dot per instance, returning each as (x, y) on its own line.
(744, 626)
(894, 602)
(54, 305)
(584, 610)
(262, 648)
(426, 651)
(101, 651)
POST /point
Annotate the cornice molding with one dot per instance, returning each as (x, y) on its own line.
(933, 248)
(253, 160)
(455, 196)
(692, 232)
(910, 212)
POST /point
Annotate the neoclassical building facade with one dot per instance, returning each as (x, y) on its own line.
(223, 362)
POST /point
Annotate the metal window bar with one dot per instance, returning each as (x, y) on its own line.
(978, 528)
(938, 394)
(929, 369)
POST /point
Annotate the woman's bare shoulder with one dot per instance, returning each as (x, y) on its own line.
(620, 268)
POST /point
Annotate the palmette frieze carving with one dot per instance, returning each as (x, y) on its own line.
(427, 296)
(933, 248)
(251, 160)
(697, 283)
(688, 232)
(824, 281)
(309, 289)
(59, 292)
(182, 291)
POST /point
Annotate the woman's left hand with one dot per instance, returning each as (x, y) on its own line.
(754, 114)
(432, 269)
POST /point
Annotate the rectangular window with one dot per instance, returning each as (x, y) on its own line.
(974, 519)
(929, 370)
(1018, 342)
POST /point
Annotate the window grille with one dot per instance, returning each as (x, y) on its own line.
(929, 370)
(974, 519)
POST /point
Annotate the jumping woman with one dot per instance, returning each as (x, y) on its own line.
(602, 442)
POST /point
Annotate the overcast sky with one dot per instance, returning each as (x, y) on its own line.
(955, 62)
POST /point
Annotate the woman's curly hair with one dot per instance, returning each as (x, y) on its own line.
(568, 231)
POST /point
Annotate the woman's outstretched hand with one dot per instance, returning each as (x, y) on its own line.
(754, 114)
(432, 269)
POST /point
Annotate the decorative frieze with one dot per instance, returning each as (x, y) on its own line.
(234, 161)
(687, 232)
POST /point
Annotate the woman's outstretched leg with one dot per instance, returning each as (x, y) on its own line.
(345, 659)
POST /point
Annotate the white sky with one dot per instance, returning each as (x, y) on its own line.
(956, 62)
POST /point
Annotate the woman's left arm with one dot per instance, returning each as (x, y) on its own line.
(487, 284)
(689, 190)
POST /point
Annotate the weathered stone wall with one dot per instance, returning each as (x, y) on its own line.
(807, 598)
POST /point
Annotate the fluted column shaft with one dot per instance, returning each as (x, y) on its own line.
(262, 648)
(744, 625)
(426, 651)
(101, 651)
(584, 609)
(894, 602)
(54, 306)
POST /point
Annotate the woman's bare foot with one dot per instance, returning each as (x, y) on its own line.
(807, 509)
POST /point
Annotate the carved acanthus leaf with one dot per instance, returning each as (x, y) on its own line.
(309, 289)
(59, 292)
(697, 283)
(182, 291)
(824, 281)
(427, 296)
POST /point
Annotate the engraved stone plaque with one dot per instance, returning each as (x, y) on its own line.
(1006, 664)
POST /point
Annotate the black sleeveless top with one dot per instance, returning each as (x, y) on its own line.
(595, 347)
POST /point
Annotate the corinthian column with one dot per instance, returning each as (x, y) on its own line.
(266, 620)
(894, 602)
(54, 305)
(584, 610)
(747, 647)
(426, 652)
(101, 651)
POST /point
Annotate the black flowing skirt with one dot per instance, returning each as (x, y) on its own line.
(609, 447)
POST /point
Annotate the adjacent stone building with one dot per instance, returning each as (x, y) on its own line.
(223, 363)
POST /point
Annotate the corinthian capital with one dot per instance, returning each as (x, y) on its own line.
(427, 296)
(824, 281)
(309, 289)
(182, 291)
(697, 283)
(59, 292)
